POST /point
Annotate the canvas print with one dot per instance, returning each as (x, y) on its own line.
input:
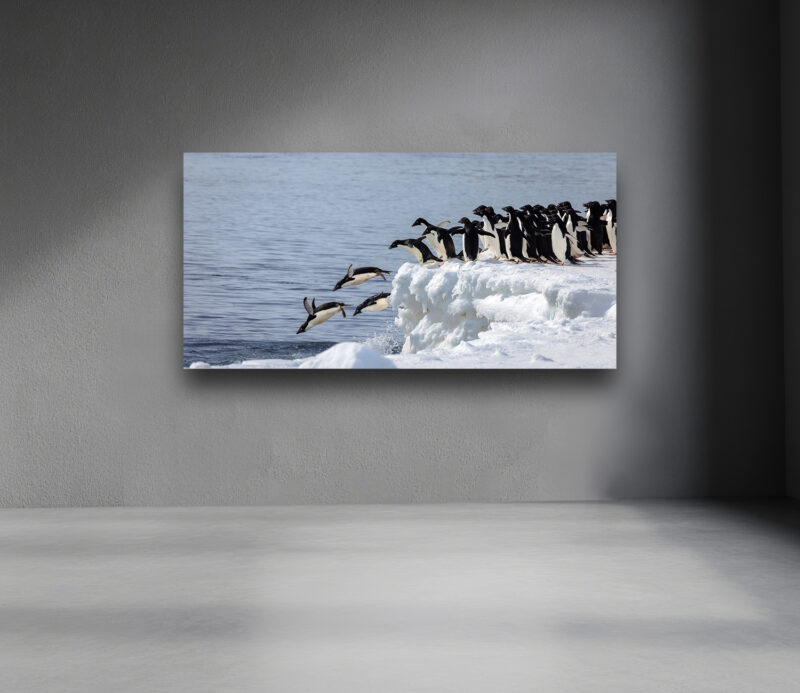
(400, 260)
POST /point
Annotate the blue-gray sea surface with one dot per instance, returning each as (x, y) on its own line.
(261, 231)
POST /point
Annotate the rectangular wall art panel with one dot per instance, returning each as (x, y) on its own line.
(385, 260)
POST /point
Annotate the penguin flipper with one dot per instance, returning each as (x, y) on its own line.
(308, 308)
(314, 304)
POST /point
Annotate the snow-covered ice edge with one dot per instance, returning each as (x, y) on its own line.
(490, 314)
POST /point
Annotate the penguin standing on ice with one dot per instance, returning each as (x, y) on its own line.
(571, 220)
(441, 239)
(537, 222)
(373, 304)
(319, 314)
(416, 246)
(471, 238)
(497, 243)
(559, 238)
(515, 238)
(530, 247)
(595, 225)
(611, 225)
(354, 277)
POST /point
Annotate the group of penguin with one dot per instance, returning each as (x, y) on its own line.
(536, 234)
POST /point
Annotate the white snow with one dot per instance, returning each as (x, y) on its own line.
(489, 314)
(493, 314)
(342, 355)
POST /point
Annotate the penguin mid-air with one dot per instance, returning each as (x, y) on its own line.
(416, 246)
(319, 314)
(373, 304)
(354, 277)
(471, 238)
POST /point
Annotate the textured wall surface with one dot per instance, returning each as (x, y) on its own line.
(99, 101)
(790, 117)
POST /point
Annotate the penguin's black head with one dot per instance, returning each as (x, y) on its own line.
(508, 208)
(357, 311)
(464, 220)
(394, 244)
(302, 329)
(419, 222)
(479, 210)
(590, 204)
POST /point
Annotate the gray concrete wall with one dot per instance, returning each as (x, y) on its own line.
(790, 117)
(99, 100)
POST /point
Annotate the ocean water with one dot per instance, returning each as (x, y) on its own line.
(262, 231)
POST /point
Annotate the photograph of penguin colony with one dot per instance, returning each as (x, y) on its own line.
(556, 234)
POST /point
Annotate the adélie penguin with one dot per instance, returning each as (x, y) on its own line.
(441, 239)
(354, 277)
(515, 237)
(416, 246)
(594, 211)
(471, 238)
(496, 244)
(373, 303)
(611, 224)
(319, 314)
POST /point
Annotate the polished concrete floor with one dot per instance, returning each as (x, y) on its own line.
(548, 597)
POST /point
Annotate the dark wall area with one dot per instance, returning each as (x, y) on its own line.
(790, 147)
(99, 100)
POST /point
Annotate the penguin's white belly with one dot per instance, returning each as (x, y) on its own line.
(414, 251)
(438, 248)
(485, 241)
(611, 230)
(574, 250)
(380, 304)
(322, 316)
(559, 243)
(360, 279)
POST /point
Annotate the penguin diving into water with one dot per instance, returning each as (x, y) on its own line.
(416, 246)
(319, 314)
(373, 304)
(359, 276)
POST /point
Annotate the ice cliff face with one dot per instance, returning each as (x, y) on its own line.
(498, 314)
